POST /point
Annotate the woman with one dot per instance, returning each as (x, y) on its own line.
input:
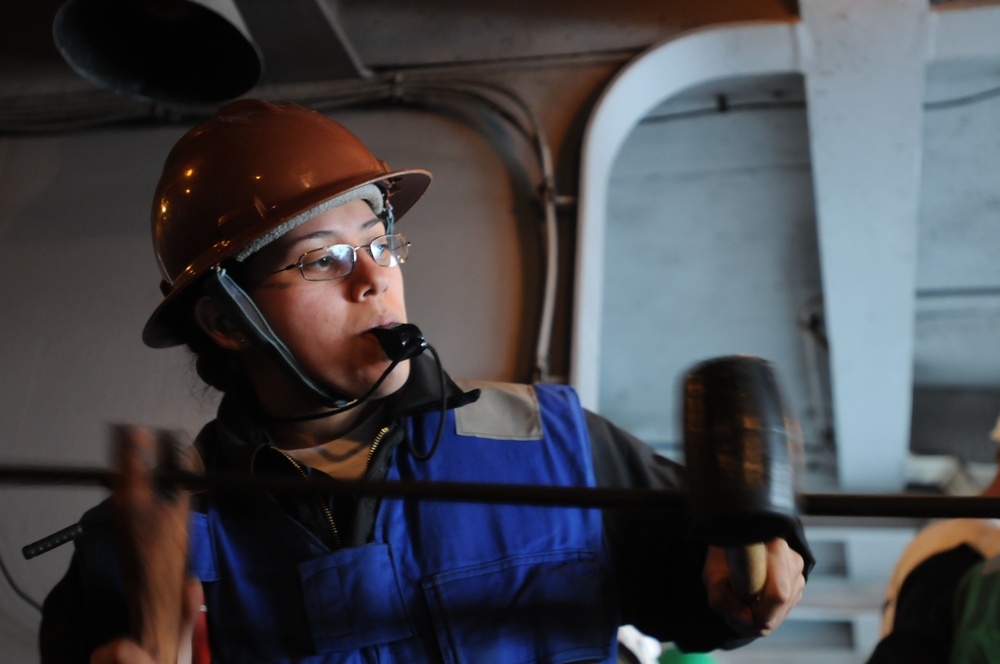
(275, 230)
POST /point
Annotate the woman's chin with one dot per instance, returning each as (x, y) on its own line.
(394, 381)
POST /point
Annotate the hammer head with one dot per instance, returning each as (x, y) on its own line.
(740, 448)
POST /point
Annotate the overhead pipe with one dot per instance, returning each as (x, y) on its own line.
(165, 51)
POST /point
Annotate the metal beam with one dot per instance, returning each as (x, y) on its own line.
(300, 41)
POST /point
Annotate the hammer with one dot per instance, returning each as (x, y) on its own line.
(739, 445)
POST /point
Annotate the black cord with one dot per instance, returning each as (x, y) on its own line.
(340, 409)
(973, 98)
(720, 109)
(17, 589)
(443, 412)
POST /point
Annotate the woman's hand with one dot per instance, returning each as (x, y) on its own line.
(166, 615)
(121, 651)
(760, 615)
(192, 643)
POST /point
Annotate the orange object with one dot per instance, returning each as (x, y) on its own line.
(201, 653)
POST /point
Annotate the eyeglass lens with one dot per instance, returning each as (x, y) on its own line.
(338, 260)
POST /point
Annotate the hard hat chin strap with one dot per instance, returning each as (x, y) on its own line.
(243, 311)
(399, 343)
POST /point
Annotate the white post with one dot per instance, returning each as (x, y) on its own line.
(865, 66)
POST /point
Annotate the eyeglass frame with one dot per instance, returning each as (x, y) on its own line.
(354, 257)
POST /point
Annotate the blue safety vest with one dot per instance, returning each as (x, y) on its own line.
(442, 581)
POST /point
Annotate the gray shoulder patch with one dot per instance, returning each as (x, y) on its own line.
(505, 411)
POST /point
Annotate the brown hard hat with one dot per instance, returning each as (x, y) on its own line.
(241, 175)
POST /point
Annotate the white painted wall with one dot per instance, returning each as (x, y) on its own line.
(710, 250)
(865, 70)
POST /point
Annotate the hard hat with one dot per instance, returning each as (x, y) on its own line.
(245, 176)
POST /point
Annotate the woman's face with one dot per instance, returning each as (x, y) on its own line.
(327, 324)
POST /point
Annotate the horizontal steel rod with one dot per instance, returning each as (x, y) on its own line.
(814, 504)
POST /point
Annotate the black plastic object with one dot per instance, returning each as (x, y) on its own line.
(54, 540)
(400, 342)
(741, 451)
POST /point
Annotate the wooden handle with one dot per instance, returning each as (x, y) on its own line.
(152, 539)
(748, 570)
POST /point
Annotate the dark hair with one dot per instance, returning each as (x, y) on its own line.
(218, 367)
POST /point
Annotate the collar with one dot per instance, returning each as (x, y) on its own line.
(238, 432)
(422, 391)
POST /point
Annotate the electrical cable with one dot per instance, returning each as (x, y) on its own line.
(533, 131)
(16, 588)
(715, 110)
(965, 100)
(719, 109)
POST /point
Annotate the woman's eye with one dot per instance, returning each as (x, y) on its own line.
(332, 261)
(323, 262)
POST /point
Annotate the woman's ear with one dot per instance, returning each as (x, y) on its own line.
(217, 325)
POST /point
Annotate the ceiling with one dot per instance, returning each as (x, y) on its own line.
(324, 40)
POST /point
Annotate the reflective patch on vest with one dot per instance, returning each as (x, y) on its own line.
(504, 411)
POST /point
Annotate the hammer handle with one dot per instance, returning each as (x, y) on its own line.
(748, 570)
(152, 526)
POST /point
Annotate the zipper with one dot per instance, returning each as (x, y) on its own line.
(326, 510)
(375, 443)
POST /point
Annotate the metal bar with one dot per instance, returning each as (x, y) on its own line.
(899, 505)
(815, 504)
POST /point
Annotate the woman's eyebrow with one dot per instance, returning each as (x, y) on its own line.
(326, 234)
(323, 235)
